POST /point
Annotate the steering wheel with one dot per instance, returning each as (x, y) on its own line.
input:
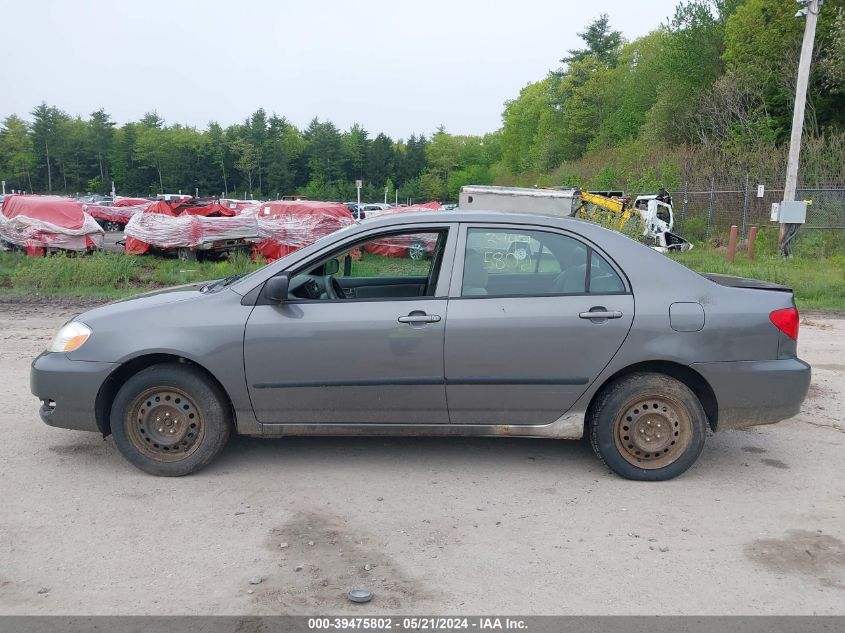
(334, 290)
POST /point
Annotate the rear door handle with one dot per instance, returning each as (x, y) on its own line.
(419, 317)
(601, 314)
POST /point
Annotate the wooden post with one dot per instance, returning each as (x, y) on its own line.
(732, 243)
(752, 237)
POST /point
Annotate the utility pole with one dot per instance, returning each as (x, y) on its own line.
(811, 11)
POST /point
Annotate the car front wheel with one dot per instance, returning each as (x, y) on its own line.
(170, 420)
(648, 426)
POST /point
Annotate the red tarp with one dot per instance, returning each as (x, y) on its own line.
(119, 214)
(37, 223)
(288, 225)
(120, 201)
(61, 212)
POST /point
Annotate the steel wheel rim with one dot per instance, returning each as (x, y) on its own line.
(652, 431)
(165, 424)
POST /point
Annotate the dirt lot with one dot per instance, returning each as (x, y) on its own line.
(436, 525)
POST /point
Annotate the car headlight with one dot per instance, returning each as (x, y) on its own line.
(70, 337)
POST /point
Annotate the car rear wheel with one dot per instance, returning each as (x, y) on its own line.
(170, 420)
(648, 426)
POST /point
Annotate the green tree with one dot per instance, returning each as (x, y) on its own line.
(356, 147)
(152, 149)
(832, 64)
(100, 134)
(412, 161)
(247, 160)
(520, 123)
(602, 43)
(324, 151)
(17, 158)
(379, 165)
(45, 138)
(287, 148)
(763, 43)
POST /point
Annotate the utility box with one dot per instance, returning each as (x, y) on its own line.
(791, 212)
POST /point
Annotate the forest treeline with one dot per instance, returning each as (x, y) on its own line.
(707, 95)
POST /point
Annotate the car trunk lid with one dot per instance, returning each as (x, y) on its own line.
(744, 282)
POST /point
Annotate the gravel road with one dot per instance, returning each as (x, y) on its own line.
(439, 526)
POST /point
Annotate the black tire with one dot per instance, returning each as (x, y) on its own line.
(186, 254)
(647, 427)
(170, 420)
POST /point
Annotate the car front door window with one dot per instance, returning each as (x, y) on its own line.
(393, 265)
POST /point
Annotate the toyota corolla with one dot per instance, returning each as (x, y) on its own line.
(587, 332)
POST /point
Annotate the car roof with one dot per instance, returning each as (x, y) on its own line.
(502, 217)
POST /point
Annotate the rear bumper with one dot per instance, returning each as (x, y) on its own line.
(68, 390)
(756, 392)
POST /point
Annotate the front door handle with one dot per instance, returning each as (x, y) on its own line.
(600, 313)
(418, 316)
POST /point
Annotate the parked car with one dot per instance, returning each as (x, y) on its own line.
(607, 338)
(288, 225)
(40, 225)
(190, 228)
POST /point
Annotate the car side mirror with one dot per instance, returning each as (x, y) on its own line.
(276, 288)
(331, 267)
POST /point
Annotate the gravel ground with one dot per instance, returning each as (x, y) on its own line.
(496, 525)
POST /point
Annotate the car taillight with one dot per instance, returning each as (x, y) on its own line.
(786, 320)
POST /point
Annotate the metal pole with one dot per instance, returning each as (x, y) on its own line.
(812, 13)
(684, 207)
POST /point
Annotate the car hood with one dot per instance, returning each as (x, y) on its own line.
(147, 300)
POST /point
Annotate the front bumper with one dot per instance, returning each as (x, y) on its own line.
(68, 389)
(756, 392)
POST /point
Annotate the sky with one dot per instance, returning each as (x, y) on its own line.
(395, 67)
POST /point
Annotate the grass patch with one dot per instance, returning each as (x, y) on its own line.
(110, 275)
(818, 282)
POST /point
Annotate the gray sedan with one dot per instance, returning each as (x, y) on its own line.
(585, 332)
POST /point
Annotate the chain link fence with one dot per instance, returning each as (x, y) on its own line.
(704, 212)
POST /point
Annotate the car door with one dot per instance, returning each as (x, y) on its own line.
(373, 356)
(530, 328)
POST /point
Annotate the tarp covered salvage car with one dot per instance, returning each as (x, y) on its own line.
(288, 225)
(412, 246)
(115, 217)
(189, 229)
(40, 224)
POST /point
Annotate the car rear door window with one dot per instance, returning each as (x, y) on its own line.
(505, 262)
